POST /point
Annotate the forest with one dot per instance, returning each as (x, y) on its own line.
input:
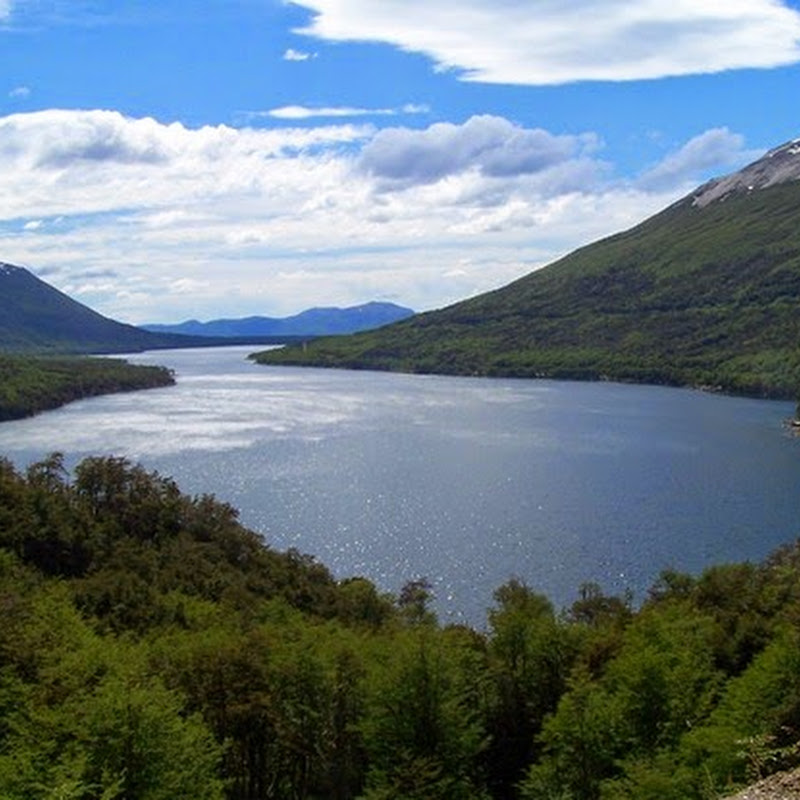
(30, 384)
(151, 647)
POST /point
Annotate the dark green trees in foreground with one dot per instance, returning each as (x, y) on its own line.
(150, 647)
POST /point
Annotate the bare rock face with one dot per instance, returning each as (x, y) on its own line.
(778, 166)
(782, 786)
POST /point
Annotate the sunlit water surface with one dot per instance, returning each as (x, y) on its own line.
(467, 482)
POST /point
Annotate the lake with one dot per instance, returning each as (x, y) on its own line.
(465, 481)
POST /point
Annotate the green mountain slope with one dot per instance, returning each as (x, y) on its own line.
(34, 316)
(704, 293)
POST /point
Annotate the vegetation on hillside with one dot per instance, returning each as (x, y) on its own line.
(29, 385)
(153, 648)
(705, 297)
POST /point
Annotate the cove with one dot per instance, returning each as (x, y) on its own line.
(467, 482)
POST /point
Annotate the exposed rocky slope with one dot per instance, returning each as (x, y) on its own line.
(783, 786)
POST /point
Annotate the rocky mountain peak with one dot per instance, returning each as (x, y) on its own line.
(778, 166)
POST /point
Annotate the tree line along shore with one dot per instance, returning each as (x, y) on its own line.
(31, 384)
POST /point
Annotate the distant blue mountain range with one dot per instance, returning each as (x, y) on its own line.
(313, 322)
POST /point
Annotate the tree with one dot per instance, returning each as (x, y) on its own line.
(422, 735)
(414, 601)
(531, 655)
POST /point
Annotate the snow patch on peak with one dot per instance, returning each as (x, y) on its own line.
(8, 269)
(780, 165)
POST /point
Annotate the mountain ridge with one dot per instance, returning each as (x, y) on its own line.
(317, 321)
(703, 293)
(779, 165)
(35, 317)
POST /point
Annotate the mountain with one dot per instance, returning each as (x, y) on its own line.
(705, 293)
(313, 322)
(34, 316)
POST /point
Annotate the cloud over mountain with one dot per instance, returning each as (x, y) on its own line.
(193, 215)
(553, 42)
(718, 149)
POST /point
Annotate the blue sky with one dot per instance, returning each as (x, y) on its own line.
(235, 157)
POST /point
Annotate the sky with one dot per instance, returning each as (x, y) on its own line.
(226, 158)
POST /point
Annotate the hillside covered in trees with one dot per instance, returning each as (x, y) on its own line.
(153, 648)
(29, 384)
(703, 294)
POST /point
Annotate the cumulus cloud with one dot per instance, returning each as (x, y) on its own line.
(155, 222)
(90, 161)
(718, 150)
(552, 42)
(490, 145)
(306, 112)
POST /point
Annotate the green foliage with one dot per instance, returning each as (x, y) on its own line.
(151, 647)
(755, 730)
(581, 741)
(83, 718)
(703, 297)
(422, 733)
(414, 601)
(30, 384)
(532, 654)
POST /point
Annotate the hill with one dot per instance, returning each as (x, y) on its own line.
(704, 293)
(312, 322)
(35, 316)
(29, 384)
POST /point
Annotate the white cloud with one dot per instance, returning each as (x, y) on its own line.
(304, 112)
(70, 162)
(718, 150)
(5, 9)
(216, 221)
(492, 145)
(19, 92)
(297, 55)
(552, 42)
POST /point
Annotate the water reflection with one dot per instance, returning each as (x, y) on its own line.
(467, 482)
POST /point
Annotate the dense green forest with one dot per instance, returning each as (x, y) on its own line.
(29, 384)
(693, 296)
(151, 648)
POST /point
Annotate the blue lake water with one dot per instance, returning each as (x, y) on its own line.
(467, 482)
